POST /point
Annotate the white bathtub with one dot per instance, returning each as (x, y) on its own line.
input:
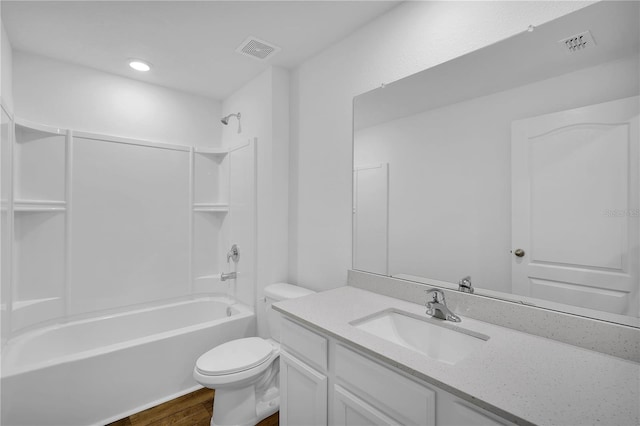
(98, 370)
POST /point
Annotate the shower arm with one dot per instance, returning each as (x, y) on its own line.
(225, 120)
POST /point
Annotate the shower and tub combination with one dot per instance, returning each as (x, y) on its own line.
(113, 251)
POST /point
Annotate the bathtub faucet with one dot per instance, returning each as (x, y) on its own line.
(234, 254)
(230, 275)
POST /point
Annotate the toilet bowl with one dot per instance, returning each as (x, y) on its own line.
(245, 372)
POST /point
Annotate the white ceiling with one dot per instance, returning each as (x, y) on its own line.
(191, 44)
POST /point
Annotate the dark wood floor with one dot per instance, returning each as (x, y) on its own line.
(193, 409)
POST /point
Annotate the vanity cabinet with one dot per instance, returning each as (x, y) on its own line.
(324, 382)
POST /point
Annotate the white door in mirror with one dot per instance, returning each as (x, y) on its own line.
(370, 218)
(575, 207)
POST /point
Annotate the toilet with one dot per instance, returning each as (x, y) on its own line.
(244, 372)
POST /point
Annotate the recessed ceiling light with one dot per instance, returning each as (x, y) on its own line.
(139, 65)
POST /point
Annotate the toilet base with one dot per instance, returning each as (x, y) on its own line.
(238, 407)
(249, 404)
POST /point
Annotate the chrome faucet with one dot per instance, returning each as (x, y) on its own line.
(464, 285)
(437, 306)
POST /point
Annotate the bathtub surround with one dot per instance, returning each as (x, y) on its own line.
(105, 233)
(609, 338)
(77, 98)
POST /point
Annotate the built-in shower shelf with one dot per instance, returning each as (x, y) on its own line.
(25, 206)
(211, 207)
(221, 152)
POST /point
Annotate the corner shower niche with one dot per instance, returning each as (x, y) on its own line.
(40, 223)
(103, 223)
(210, 210)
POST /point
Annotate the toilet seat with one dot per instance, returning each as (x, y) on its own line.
(234, 357)
(244, 375)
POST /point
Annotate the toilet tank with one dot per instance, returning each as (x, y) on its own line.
(275, 293)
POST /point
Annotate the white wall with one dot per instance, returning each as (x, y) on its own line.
(70, 96)
(6, 72)
(450, 168)
(264, 105)
(409, 38)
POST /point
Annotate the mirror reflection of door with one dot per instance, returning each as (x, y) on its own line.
(370, 218)
(575, 195)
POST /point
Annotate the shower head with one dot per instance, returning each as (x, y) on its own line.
(225, 120)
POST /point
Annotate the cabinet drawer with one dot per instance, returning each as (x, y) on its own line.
(453, 411)
(304, 343)
(401, 398)
(349, 410)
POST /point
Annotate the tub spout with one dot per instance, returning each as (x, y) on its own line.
(230, 275)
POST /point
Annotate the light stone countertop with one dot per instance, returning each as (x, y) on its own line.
(521, 377)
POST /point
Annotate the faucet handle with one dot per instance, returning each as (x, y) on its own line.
(464, 285)
(234, 254)
(437, 294)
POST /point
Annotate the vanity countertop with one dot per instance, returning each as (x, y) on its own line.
(521, 377)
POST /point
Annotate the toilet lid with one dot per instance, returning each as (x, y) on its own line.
(236, 355)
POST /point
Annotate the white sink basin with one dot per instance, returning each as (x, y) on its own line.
(429, 336)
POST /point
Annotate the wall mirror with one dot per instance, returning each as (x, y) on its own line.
(516, 165)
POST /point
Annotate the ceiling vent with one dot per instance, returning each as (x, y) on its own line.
(257, 49)
(578, 42)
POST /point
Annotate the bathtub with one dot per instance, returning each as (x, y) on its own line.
(98, 370)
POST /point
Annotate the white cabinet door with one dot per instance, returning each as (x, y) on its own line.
(575, 201)
(303, 393)
(349, 410)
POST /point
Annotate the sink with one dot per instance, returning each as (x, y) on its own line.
(431, 337)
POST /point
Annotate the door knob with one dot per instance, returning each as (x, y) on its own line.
(519, 252)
